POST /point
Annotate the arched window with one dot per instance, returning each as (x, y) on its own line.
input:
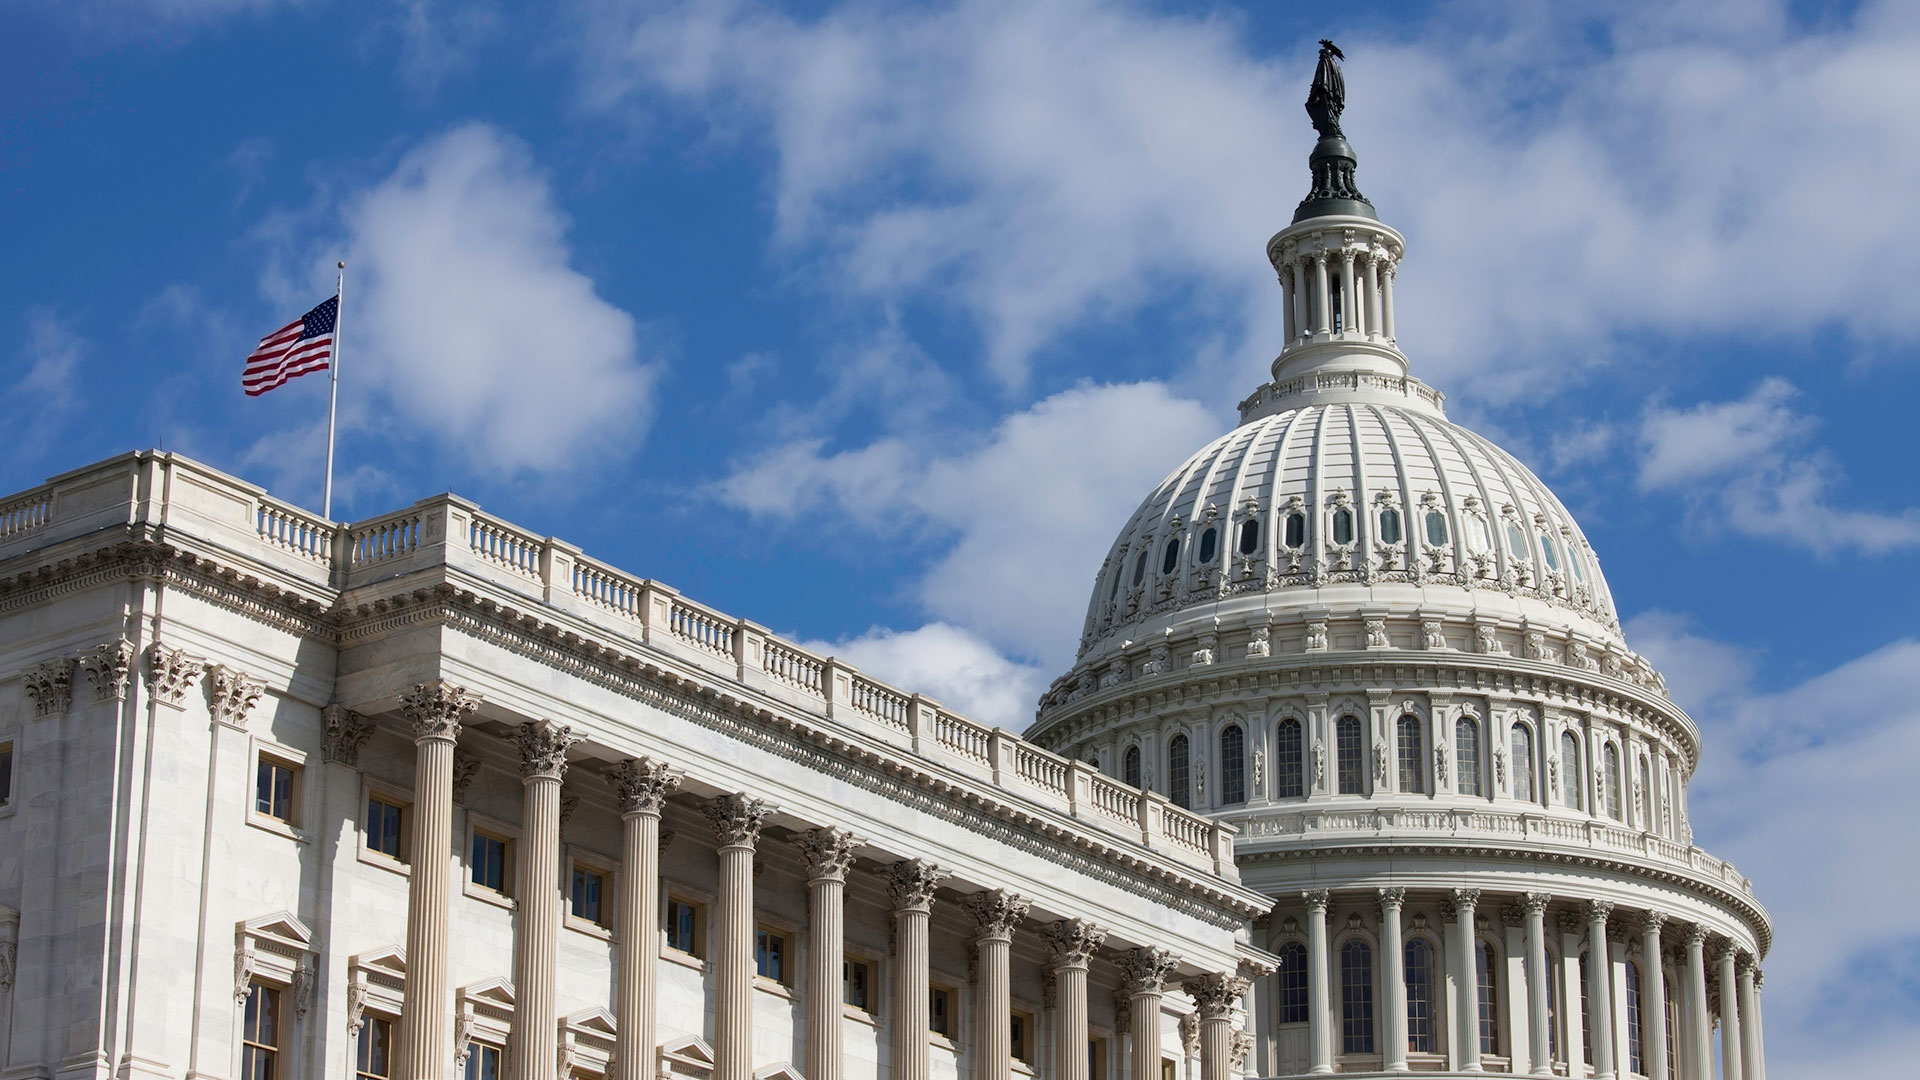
(1351, 755)
(1335, 301)
(1130, 766)
(1233, 764)
(1289, 779)
(1172, 558)
(1113, 589)
(1421, 1037)
(1179, 767)
(1611, 755)
(1634, 1026)
(1645, 809)
(1389, 526)
(1488, 970)
(1478, 539)
(1293, 983)
(1343, 526)
(1521, 740)
(1356, 997)
(1249, 536)
(1296, 529)
(1570, 775)
(1436, 528)
(1466, 749)
(1413, 763)
(1209, 544)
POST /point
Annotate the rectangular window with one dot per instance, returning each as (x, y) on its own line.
(1097, 1059)
(770, 952)
(588, 887)
(1167, 1070)
(259, 1034)
(6, 773)
(858, 986)
(1022, 1030)
(685, 926)
(384, 827)
(940, 1018)
(483, 1062)
(375, 1054)
(273, 789)
(492, 863)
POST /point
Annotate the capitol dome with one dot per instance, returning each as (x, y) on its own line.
(1379, 647)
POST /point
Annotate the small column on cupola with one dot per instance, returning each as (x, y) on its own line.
(1336, 261)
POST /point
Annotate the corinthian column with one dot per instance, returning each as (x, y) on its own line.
(1653, 997)
(995, 914)
(1319, 1015)
(434, 709)
(536, 946)
(1323, 314)
(1147, 973)
(829, 853)
(1393, 964)
(1600, 988)
(1699, 1025)
(1213, 997)
(641, 786)
(1730, 1044)
(1071, 944)
(1537, 1037)
(736, 829)
(1466, 975)
(1756, 1055)
(912, 883)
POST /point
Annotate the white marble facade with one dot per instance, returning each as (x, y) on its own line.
(248, 753)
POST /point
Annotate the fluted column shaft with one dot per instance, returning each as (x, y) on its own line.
(1466, 976)
(1319, 992)
(640, 787)
(1323, 314)
(1599, 988)
(1393, 965)
(995, 914)
(1538, 1040)
(736, 827)
(1386, 305)
(1653, 1000)
(1699, 1024)
(1147, 972)
(1373, 298)
(1213, 998)
(435, 711)
(829, 853)
(1730, 1045)
(536, 924)
(1349, 308)
(1756, 1054)
(912, 883)
(1287, 294)
(1070, 947)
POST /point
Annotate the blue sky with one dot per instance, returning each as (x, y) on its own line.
(872, 322)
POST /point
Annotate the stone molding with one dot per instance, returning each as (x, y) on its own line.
(736, 819)
(435, 709)
(1071, 943)
(996, 912)
(231, 695)
(912, 882)
(829, 853)
(641, 785)
(347, 733)
(543, 748)
(170, 673)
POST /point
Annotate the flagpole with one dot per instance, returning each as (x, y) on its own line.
(333, 386)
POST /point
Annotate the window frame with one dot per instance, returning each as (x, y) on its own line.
(1233, 765)
(361, 1045)
(781, 933)
(851, 959)
(1520, 760)
(1289, 759)
(1573, 774)
(477, 1049)
(295, 761)
(1487, 959)
(1291, 982)
(1349, 765)
(251, 1047)
(582, 861)
(1367, 1024)
(1022, 1050)
(1180, 770)
(939, 989)
(8, 755)
(1434, 998)
(1132, 766)
(1614, 799)
(1465, 748)
(699, 903)
(509, 837)
(392, 795)
(1410, 755)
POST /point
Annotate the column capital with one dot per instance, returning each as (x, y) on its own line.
(912, 882)
(1696, 935)
(1743, 963)
(543, 749)
(1253, 970)
(1536, 902)
(1650, 924)
(1148, 970)
(1123, 1009)
(435, 709)
(347, 731)
(829, 853)
(1513, 913)
(1316, 900)
(996, 912)
(1570, 922)
(1072, 942)
(641, 785)
(1215, 994)
(736, 819)
(1465, 899)
(1598, 910)
(1759, 977)
(1392, 899)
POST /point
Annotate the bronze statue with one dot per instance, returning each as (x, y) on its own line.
(1328, 98)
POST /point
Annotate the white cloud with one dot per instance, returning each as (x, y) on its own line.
(51, 354)
(1027, 511)
(1746, 464)
(951, 665)
(1041, 166)
(464, 311)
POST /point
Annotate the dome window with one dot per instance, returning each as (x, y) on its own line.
(1436, 528)
(1249, 536)
(1296, 529)
(1140, 570)
(1172, 558)
(1343, 526)
(1209, 545)
(1547, 553)
(1114, 589)
(1573, 560)
(1517, 541)
(1389, 526)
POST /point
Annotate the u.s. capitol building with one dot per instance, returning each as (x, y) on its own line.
(1354, 774)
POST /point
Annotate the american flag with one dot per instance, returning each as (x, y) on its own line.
(301, 346)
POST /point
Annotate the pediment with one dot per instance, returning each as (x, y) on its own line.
(779, 1070)
(495, 992)
(390, 960)
(689, 1050)
(282, 928)
(595, 1022)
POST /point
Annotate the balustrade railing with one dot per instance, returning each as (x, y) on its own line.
(389, 538)
(962, 736)
(795, 667)
(26, 513)
(698, 626)
(506, 546)
(1041, 769)
(290, 530)
(1115, 800)
(607, 588)
(883, 704)
(1189, 831)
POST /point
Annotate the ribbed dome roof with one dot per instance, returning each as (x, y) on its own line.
(1357, 501)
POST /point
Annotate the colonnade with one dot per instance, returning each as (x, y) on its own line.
(1558, 1009)
(641, 787)
(1355, 281)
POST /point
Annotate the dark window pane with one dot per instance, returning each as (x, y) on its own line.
(1466, 747)
(1179, 764)
(1172, 558)
(1436, 528)
(1389, 526)
(1343, 526)
(1421, 1036)
(1289, 777)
(1293, 983)
(1413, 764)
(1249, 536)
(1130, 766)
(1351, 756)
(1233, 765)
(1209, 544)
(1356, 998)
(1296, 530)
